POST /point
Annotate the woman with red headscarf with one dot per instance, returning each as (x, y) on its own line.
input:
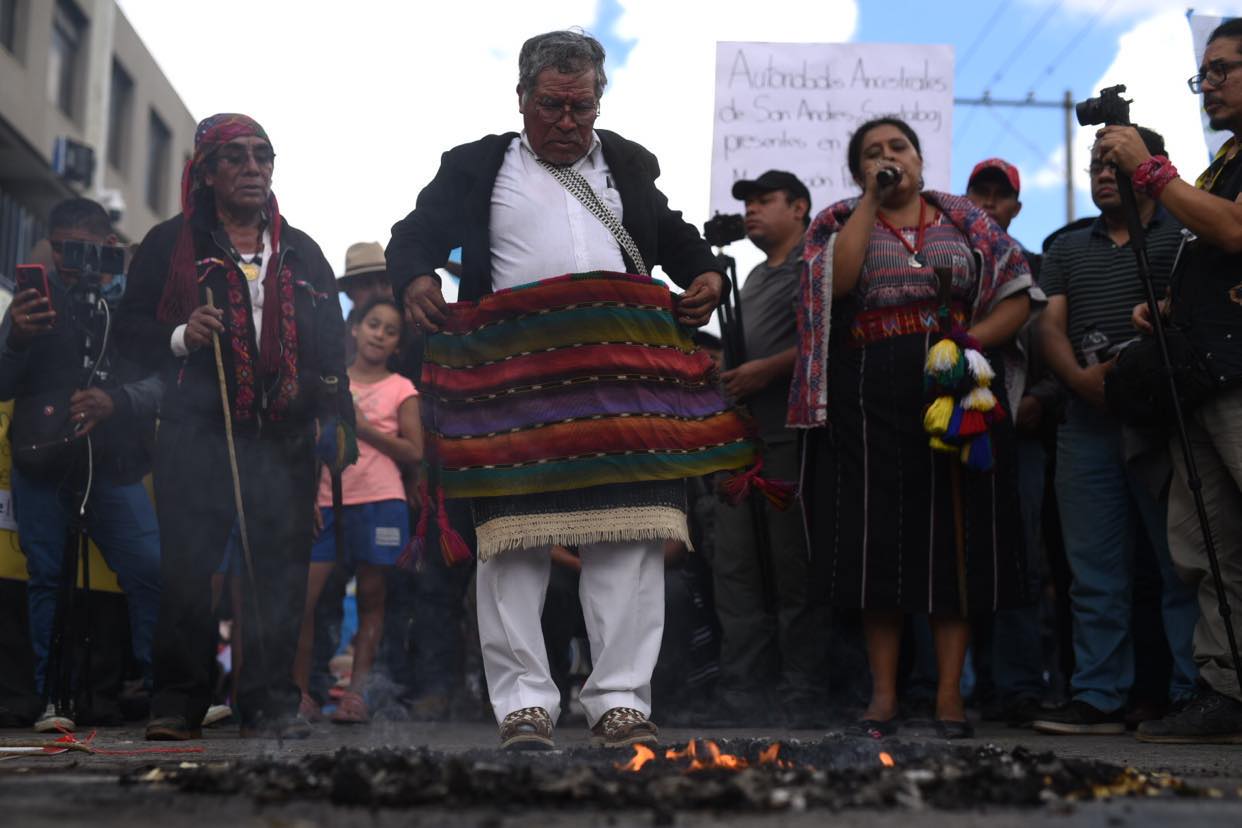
(230, 266)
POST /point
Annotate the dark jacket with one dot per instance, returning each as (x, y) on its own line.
(191, 383)
(44, 371)
(454, 210)
(1207, 294)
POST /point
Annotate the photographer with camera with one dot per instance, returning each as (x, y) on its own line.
(50, 337)
(778, 648)
(1091, 278)
(1206, 307)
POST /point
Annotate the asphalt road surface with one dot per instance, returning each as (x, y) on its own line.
(82, 789)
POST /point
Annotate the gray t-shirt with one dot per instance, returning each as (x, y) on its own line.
(769, 313)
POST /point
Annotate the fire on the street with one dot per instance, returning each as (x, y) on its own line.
(706, 754)
(834, 773)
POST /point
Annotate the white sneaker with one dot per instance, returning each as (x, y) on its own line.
(217, 713)
(52, 722)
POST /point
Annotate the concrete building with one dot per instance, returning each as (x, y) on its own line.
(76, 70)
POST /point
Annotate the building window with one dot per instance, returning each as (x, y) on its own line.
(65, 56)
(159, 147)
(120, 105)
(8, 25)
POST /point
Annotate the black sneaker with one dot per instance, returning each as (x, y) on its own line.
(1079, 718)
(172, 729)
(1212, 719)
(277, 727)
(1018, 712)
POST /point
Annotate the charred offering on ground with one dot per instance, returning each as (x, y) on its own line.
(836, 773)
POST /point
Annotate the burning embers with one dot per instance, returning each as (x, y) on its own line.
(834, 773)
(703, 755)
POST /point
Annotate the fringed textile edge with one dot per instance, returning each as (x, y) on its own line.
(503, 534)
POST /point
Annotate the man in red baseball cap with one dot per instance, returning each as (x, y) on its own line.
(993, 186)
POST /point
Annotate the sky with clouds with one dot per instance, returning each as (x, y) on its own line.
(361, 98)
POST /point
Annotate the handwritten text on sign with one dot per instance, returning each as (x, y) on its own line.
(793, 106)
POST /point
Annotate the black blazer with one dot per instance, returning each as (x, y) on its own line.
(454, 210)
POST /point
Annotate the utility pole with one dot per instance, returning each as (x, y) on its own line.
(1066, 105)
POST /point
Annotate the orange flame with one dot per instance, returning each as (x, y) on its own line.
(642, 755)
(886, 760)
(703, 755)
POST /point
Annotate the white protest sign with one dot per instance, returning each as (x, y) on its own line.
(793, 106)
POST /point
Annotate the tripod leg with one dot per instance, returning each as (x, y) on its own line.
(58, 673)
(86, 685)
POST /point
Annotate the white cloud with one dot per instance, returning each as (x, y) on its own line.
(1112, 11)
(1157, 86)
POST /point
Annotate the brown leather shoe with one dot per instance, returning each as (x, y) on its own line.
(527, 729)
(172, 729)
(624, 726)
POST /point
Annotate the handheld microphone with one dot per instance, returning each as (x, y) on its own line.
(888, 177)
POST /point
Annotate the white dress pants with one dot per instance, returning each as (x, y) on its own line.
(622, 594)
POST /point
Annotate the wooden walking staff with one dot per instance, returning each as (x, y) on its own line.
(237, 492)
(944, 317)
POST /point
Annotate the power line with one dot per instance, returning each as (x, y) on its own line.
(1069, 47)
(960, 130)
(1011, 58)
(983, 33)
(1007, 126)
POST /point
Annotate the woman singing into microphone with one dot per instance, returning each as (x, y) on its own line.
(894, 529)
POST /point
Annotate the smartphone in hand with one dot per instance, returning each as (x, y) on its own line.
(34, 276)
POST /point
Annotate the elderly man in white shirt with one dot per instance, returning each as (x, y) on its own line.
(517, 206)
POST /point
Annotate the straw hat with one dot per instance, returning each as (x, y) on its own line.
(364, 257)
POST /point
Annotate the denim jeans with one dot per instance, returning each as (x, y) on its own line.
(1103, 507)
(121, 522)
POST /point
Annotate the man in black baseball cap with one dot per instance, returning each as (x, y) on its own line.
(773, 181)
(775, 646)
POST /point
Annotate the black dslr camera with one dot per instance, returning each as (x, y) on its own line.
(724, 228)
(1109, 108)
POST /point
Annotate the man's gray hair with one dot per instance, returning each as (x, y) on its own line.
(569, 52)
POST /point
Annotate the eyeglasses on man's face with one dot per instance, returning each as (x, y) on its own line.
(551, 110)
(1215, 73)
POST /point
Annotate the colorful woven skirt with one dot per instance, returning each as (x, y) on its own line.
(572, 409)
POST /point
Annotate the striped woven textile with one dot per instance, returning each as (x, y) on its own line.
(574, 381)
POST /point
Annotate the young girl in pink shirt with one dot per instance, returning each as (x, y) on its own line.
(375, 516)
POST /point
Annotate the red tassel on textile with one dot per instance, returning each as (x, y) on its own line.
(780, 493)
(738, 486)
(411, 557)
(453, 547)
